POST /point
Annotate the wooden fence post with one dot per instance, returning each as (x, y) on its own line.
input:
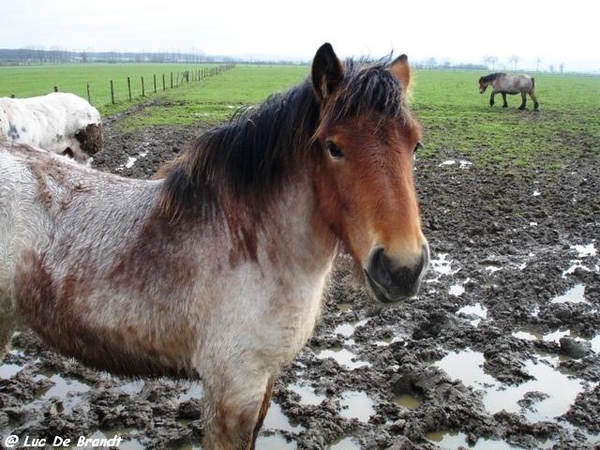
(143, 91)
(88, 93)
(129, 87)
(164, 85)
(112, 92)
(154, 83)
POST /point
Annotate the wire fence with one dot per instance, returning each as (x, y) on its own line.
(130, 88)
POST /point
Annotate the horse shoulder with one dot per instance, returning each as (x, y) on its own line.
(22, 213)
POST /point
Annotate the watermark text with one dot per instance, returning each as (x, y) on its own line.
(13, 441)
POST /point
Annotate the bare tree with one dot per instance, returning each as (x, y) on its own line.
(538, 60)
(431, 62)
(491, 60)
(513, 59)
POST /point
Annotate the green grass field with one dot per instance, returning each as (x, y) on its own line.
(217, 98)
(454, 116)
(29, 81)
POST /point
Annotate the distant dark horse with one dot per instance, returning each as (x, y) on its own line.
(510, 84)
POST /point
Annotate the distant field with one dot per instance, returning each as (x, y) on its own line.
(456, 116)
(246, 84)
(448, 104)
(217, 98)
(28, 81)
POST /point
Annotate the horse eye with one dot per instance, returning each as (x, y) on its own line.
(418, 146)
(334, 150)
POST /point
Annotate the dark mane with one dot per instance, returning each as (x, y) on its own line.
(253, 153)
(243, 156)
(367, 88)
(491, 77)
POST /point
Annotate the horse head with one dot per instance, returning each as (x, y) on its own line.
(366, 141)
(482, 85)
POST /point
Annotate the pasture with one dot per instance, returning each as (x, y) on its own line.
(509, 310)
(455, 116)
(29, 81)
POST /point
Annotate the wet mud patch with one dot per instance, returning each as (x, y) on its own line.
(500, 350)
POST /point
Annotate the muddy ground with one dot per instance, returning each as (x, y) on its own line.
(501, 349)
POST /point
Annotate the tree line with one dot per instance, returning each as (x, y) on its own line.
(33, 56)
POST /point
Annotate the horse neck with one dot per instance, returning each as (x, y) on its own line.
(284, 232)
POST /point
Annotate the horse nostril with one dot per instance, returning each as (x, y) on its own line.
(380, 267)
(392, 282)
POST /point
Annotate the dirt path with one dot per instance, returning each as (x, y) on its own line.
(501, 350)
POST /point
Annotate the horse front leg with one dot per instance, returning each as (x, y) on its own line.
(7, 323)
(505, 103)
(263, 411)
(492, 98)
(235, 409)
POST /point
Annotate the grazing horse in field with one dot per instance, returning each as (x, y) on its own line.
(217, 270)
(510, 84)
(59, 122)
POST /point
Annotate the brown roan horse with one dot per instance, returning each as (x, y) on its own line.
(510, 84)
(216, 271)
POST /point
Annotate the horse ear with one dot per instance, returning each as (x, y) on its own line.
(327, 71)
(401, 70)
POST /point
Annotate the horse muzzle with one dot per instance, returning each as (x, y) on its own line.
(391, 282)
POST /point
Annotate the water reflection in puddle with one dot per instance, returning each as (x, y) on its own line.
(67, 390)
(574, 295)
(457, 290)
(442, 265)
(596, 344)
(343, 357)
(555, 336)
(356, 405)
(131, 160)
(451, 440)
(467, 366)
(474, 310)
(344, 307)
(408, 401)
(307, 395)
(274, 442)
(277, 420)
(347, 329)
(9, 370)
(346, 443)
(583, 251)
(133, 387)
(462, 163)
(194, 391)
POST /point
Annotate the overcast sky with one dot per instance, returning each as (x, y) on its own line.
(448, 30)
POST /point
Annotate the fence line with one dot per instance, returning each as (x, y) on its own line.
(177, 79)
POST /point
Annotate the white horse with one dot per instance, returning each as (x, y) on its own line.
(59, 122)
